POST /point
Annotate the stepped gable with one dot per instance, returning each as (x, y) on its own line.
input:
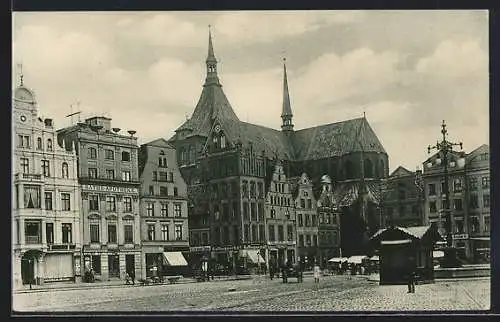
(336, 139)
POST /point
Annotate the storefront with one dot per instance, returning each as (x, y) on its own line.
(481, 250)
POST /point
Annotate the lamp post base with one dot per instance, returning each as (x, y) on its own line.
(450, 259)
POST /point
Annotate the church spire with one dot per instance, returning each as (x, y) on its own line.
(211, 62)
(286, 114)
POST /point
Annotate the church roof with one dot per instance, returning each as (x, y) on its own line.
(347, 193)
(336, 139)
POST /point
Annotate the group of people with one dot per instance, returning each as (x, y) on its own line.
(130, 278)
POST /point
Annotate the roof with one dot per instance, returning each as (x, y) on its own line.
(287, 109)
(347, 193)
(336, 139)
(161, 142)
(414, 233)
(401, 172)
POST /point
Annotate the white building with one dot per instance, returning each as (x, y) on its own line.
(46, 203)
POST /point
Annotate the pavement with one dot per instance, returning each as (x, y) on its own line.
(342, 293)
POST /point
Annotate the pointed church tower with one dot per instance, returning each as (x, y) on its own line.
(212, 78)
(286, 114)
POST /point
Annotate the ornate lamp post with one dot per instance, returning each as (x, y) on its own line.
(444, 147)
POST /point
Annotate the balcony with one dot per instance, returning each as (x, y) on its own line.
(28, 176)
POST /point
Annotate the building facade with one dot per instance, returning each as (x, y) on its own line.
(403, 199)
(108, 175)
(469, 193)
(307, 219)
(163, 210)
(349, 152)
(46, 206)
(328, 223)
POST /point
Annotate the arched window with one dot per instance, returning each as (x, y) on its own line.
(39, 144)
(222, 141)
(214, 140)
(183, 156)
(349, 170)
(65, 173)
(192, 157)
(368, 168)
(49, 144)
(92, 153)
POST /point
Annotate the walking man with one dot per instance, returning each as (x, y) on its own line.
(316, 273)
(132, 276)
(411, 281)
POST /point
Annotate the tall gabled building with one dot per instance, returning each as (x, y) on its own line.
(215, 147)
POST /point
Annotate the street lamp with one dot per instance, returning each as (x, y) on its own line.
(444, 147)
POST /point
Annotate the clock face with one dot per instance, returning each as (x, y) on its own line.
(217, 128)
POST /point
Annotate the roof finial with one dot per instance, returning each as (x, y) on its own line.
(211, 56)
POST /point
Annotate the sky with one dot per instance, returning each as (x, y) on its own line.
(406, 70)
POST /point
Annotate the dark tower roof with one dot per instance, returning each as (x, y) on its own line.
(286, 113)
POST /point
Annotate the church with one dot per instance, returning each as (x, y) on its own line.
(240, 176)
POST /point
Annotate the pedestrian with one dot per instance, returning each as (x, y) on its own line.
(316, 273)
(127, 279)
(411, 281)
(132, 276)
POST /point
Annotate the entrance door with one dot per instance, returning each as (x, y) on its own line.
(281, 257)
(130, 264)
(27, 270)
(114, 265)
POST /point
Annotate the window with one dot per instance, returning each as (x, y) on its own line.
(309, 203)
(281, 236)
(177, 210)
(485, 182)
(109, 154)
(25, 165)
(64, 170)
(171, 177)
(253, 212)
(24, 141)
(66, 201)
(315, 240)
(110, 203)
(486, 224)
(92, 153)
(473, 183)
(308, 240)
(287, 215)
(459, 226)
(129, 233)
(93, 202)
(31, 196)
(150, 209)
(302, 203)
(96, 263)
(49, 144)
(301, 222)
(178, 232)
(308, 220)
(94, 233)
(162, 161)
(222, 141)
(176, 192)
(252, 189)
(486, 201)
(474, 224)
(432, 189)
(327, 218)
(271, 234)
(474, 203)
(111, 233)
(127, 204)
(457, 204)
(48, 200)
(254, 233)
(126, 175)
(163, 191)
(262, 236)
(314, 222)
(49, 233)
(32, 232)
(273, 214)
(92, 173)
(432, 207)
(289, 232)
(151, 232)
(151, 190)
(39, 144)
(164, 210)
(457, 185)
(110, 174)
(301, 240)
(164, 232)
(46, 168)
(260, 190)
(125, 156)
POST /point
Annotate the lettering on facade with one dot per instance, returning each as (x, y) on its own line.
(92, 187)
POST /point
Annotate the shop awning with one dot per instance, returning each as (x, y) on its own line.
(396, 242)
(337, 259)
(374, 258)
(438, 254)
(253, 255)
(481, 238)
(174, 259)
(356, 259)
